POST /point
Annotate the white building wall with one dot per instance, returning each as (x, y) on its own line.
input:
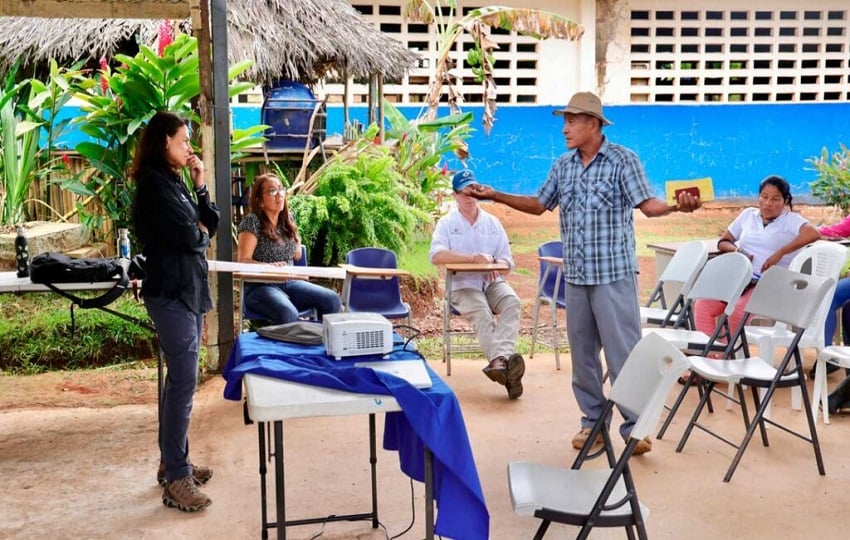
(566, 67)
(528, 71)
(725, 51)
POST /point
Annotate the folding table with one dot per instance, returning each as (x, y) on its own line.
(271, 401)
(425, 426)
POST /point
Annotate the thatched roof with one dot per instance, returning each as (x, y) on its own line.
(293, 39)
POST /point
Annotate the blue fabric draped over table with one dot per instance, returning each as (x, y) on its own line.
(430, 416)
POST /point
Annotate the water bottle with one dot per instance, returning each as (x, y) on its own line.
(123, 244)
(22, 253)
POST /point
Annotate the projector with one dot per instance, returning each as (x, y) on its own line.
(356, 334)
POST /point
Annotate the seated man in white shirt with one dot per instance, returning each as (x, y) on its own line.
(468, 234)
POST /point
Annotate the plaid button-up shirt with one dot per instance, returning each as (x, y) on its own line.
(596, 206)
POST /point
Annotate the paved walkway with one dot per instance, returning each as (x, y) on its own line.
(89, 473)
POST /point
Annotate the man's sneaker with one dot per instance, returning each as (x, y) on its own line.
(184, 495)
(582, 436)
(643, 446)
(200, 473)
(513, 377)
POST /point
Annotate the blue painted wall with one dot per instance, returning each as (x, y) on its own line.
(736, 145)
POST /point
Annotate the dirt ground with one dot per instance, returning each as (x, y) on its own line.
(77, 450)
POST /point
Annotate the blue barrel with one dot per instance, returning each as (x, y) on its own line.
(287, 109)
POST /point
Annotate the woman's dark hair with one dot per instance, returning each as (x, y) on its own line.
(285, 224)
(150, 154)
(780, 184)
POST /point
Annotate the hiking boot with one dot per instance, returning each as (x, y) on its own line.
(497, 370)
(513, 376)
(183, 494)
(582, 436)
(643, 446)
(200, 474)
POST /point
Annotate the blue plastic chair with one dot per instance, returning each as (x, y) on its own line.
(258, 320)
(381, 295)
(550, 291)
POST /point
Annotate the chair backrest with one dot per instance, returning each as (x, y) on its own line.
(788, 296)
(374, 295)
(823, 259)
(303, 260)
(723, 278)
(685, 265)
(555, 248)
(646, 379)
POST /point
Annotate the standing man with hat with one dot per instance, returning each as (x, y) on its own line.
(596, 185)
(468, 234)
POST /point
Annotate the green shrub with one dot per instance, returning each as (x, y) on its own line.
(833, 183)
(363, 203)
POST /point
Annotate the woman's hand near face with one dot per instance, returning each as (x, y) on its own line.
(196, 170)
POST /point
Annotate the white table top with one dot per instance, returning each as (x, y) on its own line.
(10, 282)
(309, 271)
(271, 399)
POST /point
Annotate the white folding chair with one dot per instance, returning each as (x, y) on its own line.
(680, 273)
(838, 355)
(603, 497)
(823, 259)
(723, 278)
(784, 296)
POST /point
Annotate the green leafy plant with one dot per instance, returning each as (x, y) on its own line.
(419, 146)
(366, 202)
(833, 183)
(28, 110)
(118, 105)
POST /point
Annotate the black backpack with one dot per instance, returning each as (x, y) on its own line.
(49, 268)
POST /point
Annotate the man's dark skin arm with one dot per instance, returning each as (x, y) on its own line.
(529, 204)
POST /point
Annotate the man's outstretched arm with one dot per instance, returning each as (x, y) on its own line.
(524, 203)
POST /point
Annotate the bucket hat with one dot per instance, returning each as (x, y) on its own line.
(585, 103)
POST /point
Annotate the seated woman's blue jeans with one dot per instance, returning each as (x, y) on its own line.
(839, 299)
(281, 303)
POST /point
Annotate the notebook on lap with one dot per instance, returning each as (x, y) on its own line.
(412, 371)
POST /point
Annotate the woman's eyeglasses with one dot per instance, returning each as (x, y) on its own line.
(274, 192)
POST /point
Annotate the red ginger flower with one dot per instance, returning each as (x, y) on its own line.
(166, 36)
(104, 75)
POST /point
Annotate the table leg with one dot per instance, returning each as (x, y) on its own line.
(447, 321)
(429, 494)
(346, 291)
(373, 460)
(262, 446)
(280, 499)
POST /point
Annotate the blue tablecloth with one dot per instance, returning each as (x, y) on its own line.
(431, 416)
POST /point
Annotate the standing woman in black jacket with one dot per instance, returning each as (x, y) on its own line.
(174, 228)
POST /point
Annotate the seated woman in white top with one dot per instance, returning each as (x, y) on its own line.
(770, 235)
